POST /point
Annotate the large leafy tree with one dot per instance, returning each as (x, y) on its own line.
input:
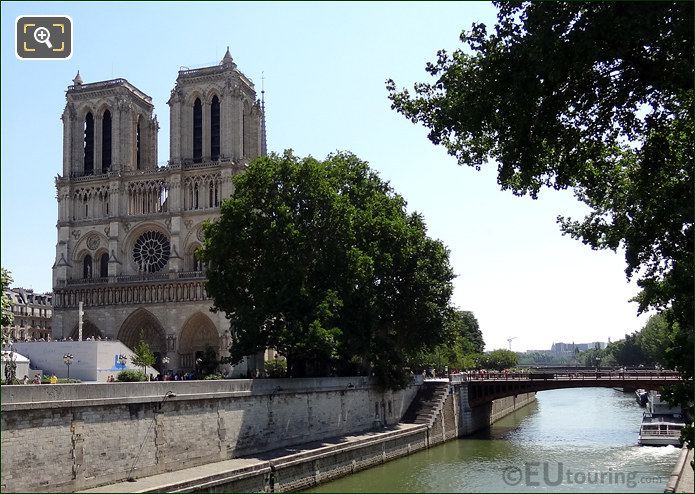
(593, 96)
(321, 261)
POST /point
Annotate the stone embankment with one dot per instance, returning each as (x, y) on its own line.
(271, 435)
(681, 479)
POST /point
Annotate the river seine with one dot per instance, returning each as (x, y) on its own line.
(569, 440)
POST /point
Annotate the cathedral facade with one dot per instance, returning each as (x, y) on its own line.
(128, 229)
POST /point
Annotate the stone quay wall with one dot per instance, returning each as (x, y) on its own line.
(72, 437)
(316, 466)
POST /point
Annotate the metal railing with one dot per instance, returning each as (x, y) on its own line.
(579, 375)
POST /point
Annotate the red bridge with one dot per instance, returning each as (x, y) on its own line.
(490, 386)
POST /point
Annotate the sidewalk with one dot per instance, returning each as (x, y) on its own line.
(685, 481)
(255, 466)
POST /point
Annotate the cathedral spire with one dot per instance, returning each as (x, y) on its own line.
(77, 81)
(227, 59)
(264, 150)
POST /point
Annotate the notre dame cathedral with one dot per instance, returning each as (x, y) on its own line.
(128, 229)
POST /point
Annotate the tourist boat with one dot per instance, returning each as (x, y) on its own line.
(642, 396)
(661, 430)
(656, 406)
(661, 423)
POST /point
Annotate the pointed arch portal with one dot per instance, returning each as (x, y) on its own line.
(142, 321)
(89, 330)
(197, 334)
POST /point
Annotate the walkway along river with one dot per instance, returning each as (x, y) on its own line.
(569, 440)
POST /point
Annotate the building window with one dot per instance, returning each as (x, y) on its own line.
(138, 139)
(106, 142)
(215, 128)
(87, 266)
(104, 265)
(151, 251)
(89, 144)
(197, 131)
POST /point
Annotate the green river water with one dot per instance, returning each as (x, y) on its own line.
(580, 440)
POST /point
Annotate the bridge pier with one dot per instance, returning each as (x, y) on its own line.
(476, 417)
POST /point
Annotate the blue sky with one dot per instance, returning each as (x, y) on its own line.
(325, 65)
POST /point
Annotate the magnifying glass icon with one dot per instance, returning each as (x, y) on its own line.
(43, 35)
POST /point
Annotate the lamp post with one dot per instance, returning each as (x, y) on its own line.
(68, 358)
(165, 363)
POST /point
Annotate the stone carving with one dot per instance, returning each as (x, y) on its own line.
(188, 223)
(174, 253)
(93, 242)
(114, 258)
(107, 229)
(62, 261)
(76, 234)
(157, 291)
(199, 233)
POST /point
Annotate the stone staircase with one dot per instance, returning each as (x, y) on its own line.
(427, 404)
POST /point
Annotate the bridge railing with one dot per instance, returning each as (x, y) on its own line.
(578, 375)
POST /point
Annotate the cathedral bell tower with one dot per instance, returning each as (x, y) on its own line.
(215, 116)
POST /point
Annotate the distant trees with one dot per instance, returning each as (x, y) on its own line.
(498, 360)
(462, 347)
(321, 261)
(655, 344)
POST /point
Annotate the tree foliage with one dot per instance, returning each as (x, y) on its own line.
(129, 376)
(463, 343)
(320, 261)
(498, 360)
(143, 355)
(594, 96)
(209, 363)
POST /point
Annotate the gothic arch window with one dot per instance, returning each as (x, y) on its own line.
(215, 128)
(89, 144)
(138, 143)
(197, 131)
(87, 266)
(106, 142)
(104, 265)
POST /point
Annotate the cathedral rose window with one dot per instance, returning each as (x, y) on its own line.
(151, 251)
